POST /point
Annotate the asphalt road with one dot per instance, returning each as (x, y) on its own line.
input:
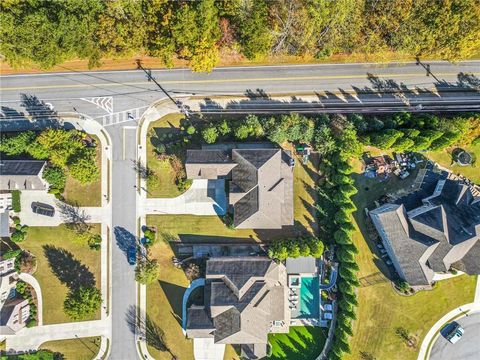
(97, 94)
(122, 90)
(467, 348)
(124, 237)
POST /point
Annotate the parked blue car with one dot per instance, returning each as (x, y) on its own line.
(132, 256)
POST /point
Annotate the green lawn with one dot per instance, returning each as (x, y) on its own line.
(75, 349)
(164, 298)
(60, 257)
(444, 158)
(301, 343)
(164, 304)
(165, 186)
(193, 228)
(85, 194)
(381, 310)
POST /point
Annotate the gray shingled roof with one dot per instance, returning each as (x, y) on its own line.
(261, 189)
(244, 295)
(21, 175)
(267, 181)
(21, 167)
(441, 233)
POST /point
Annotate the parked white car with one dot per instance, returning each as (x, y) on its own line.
(456, 334)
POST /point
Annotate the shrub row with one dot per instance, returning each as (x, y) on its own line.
(302, 246)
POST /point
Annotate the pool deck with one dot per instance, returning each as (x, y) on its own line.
(298, 313)
(302, 319)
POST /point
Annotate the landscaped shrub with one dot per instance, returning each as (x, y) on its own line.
(16, 201)
(95, 242)
(224, 128)
(241, 132)
(82, 303)
(280, 249)
(150, 236)
(147, 271)
(19, 233)
(9, 254)
(210, 134)
(228, 220)
(191, 130)
(55, 176)
(183, 184)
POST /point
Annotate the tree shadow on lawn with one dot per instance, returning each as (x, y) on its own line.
(154, 335)
(295, 230)
(67, 269)
(298, 345)
(174, 294)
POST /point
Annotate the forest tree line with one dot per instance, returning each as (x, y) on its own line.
(49, 32)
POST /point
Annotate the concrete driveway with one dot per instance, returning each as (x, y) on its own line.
(204, 197)
(206, 349)
(467, 348)
(28, 217)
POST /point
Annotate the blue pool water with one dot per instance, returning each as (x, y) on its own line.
(309, 298)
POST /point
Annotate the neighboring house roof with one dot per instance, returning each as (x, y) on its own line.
(261, 189)
(301, 265)
(243, 296)
(14, 314)
(442, 232)
(4, 224)
(6, 265)
(21, 175)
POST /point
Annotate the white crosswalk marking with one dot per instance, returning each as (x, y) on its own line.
(122, 116)
(104, 102)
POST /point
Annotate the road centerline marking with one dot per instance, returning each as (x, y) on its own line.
(219, 81)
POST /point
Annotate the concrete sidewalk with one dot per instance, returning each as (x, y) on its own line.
(31, 338)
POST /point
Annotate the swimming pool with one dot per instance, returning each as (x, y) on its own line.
(309, 303)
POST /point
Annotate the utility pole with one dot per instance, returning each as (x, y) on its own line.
(177, 103)
(427, 68)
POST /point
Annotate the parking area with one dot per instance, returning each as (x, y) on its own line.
(467, 348)
(204, 197)
(61, 212)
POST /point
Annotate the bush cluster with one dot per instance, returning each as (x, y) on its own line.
(417, 132)
(66, 150)
(25, 291)
(296, 247)
(334, 211)
(20, 233)
(292, 127)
